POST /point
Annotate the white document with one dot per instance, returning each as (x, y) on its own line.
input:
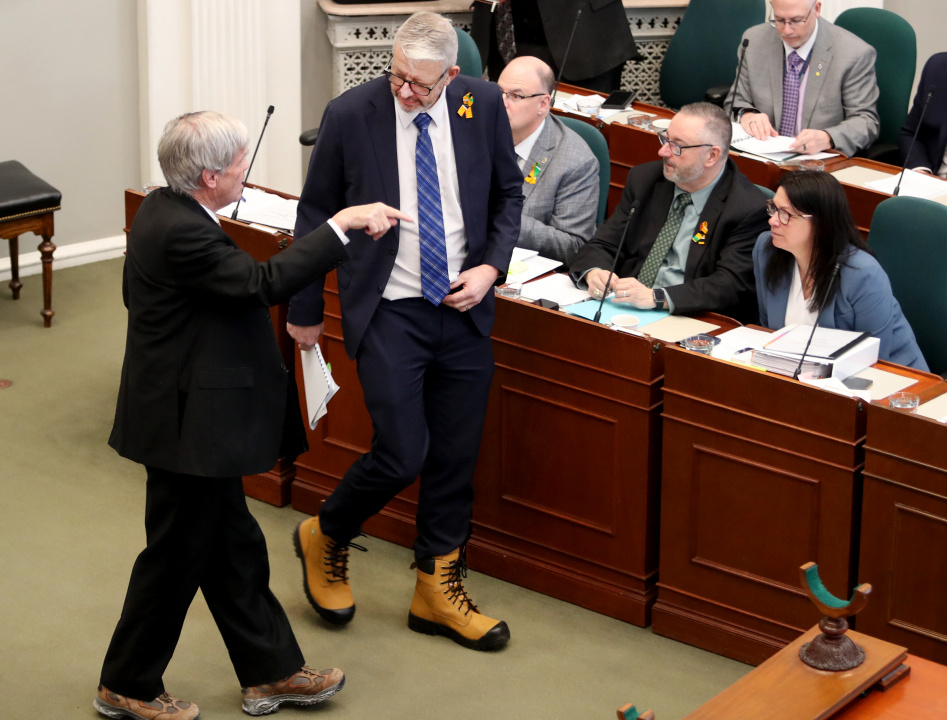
(935, 409)
(735, 344)
(522, 271)
(914, 184)
(769, 147)
(319, 384)
(558, 287)
(826, 342)
(522, 254)
(259, 206)
(884, 383)
(675, 328)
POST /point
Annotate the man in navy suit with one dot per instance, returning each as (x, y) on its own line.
(417, 310)
(930, 150)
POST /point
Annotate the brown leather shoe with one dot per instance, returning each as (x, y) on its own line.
(306, 687)
(441, 606)
(325, 572)
(163, 707)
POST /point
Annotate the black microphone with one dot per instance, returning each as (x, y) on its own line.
(269, 113)
(828, 294)
(927, 101)
(736, 81)
(565, 57)
(631, 213)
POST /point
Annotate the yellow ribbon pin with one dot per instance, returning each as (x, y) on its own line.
(466, 110)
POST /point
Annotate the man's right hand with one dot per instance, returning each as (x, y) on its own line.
(758, 125)
(596, 279)
(375, 219)
(306, 336)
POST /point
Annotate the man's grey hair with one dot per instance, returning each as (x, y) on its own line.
(428, 36)
(197, 141)
(717, 128)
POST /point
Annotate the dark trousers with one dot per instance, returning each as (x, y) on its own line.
(200, 534)
(426, 374)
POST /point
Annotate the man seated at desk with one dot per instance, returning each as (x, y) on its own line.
(806, 78)
(561, 181)
(689, 247)
(928, 154)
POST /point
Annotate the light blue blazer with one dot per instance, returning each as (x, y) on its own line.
(863, 302)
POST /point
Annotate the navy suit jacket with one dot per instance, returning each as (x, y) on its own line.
(863, 302)
(355, 161)
(932, 138)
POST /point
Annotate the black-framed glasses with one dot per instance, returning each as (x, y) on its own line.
(794, 21)
(516, 97)
(675, 148)
(784, 215)
(415, 87)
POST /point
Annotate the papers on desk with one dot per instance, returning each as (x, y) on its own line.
(914, 184)
(264, 208)
(570, 103)
(935, 409)
(526, 265)
(557, 287)
(776, 149)
(319, 384)
(883, 383)
(610, 309)
(833, 353)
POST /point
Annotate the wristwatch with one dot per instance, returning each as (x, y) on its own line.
(659, 297)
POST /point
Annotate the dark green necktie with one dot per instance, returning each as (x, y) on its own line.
(649, 271)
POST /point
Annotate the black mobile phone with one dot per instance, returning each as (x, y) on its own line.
(619, 100)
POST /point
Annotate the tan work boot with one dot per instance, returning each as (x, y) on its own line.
(441, 606)
(306, 687)
(325, 572)
(163, 707)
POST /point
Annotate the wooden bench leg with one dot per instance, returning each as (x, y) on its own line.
(46, 250)
(15, 283)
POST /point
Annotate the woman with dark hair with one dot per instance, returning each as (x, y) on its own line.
(811, 229)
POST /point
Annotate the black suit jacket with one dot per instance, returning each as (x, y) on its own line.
(718, 276)
(204, 388)
(932, 137)
(355, 161)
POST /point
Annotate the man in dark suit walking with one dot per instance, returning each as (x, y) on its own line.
(690, 246)
(204, 399)
(417, 310)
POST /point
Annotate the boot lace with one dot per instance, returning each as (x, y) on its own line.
(337, 559)
(455, 572)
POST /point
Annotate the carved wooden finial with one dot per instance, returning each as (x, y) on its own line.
(833, 650)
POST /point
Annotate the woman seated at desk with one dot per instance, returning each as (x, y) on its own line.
(812, 228)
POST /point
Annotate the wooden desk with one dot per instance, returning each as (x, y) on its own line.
(919, 696)
(566, 485)
(760, 474)
(274, 486)
(904, 530)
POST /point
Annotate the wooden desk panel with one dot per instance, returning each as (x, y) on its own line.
(919, 696)
(272, 487)
(567, 481)
(904, 530)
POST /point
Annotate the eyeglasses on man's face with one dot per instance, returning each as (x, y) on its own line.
(792, 22)
(516, 97)
(784, 215)
(674, 147)
(415, 87)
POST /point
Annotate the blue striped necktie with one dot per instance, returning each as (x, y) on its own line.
(434, 280)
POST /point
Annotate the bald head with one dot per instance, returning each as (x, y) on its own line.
(527, 83)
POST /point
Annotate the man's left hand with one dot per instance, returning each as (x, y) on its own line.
(629, 290)
(809, 142)
(474, 284)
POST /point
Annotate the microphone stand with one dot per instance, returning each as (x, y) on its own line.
(631, 213)
(927, 101)
(736, 81)
(269, 113)
(795, 375)
(552, 100)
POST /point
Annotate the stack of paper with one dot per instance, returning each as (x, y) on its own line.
(526, 265)
(263, 208)
(320, 386)
(831, 353)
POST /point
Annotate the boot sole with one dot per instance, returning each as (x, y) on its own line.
(265, 706)
(336, 617)
(111, 711)
(496, 637)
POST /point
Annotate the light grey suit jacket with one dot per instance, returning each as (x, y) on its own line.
(560, 209)
(841, 90)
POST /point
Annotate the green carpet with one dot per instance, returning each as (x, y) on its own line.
(71, 525)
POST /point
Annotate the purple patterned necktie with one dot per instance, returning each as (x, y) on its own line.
(787, 123)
